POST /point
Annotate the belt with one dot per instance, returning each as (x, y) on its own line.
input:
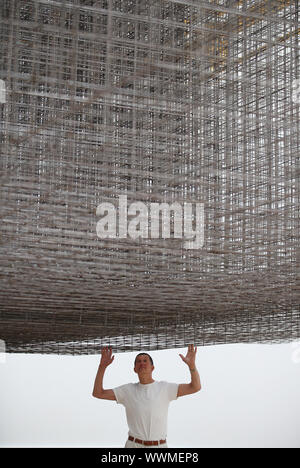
(147, 442)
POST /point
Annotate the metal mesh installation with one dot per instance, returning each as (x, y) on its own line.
(162, 102)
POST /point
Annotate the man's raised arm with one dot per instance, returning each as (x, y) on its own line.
(195, 384)
(106, 360)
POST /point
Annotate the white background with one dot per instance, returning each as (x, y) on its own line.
(250, 398)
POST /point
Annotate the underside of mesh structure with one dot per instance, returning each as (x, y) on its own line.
(187, 102)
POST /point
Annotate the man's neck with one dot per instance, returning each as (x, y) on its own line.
(145, 379)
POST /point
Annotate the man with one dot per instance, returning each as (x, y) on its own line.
(147, 401)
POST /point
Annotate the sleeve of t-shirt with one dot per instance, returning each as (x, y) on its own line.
(172, 389)
(121, 393)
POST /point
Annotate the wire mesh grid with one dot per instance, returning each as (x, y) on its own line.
(183, 102)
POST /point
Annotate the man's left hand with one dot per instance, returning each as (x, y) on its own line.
(190, 357)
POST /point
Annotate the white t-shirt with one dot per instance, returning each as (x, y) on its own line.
(147, 407)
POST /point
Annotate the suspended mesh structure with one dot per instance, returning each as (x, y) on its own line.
(153, 103)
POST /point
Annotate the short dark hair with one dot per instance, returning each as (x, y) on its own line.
(142, 354)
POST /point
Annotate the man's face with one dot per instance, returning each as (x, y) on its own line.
(143, 364)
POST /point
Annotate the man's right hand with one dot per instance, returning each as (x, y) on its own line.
(106, 357)
(106, 360)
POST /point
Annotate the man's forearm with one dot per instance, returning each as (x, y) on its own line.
(98, 385)
(195, 378)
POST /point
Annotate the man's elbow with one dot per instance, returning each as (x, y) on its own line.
(197, 389)
(97, 395)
